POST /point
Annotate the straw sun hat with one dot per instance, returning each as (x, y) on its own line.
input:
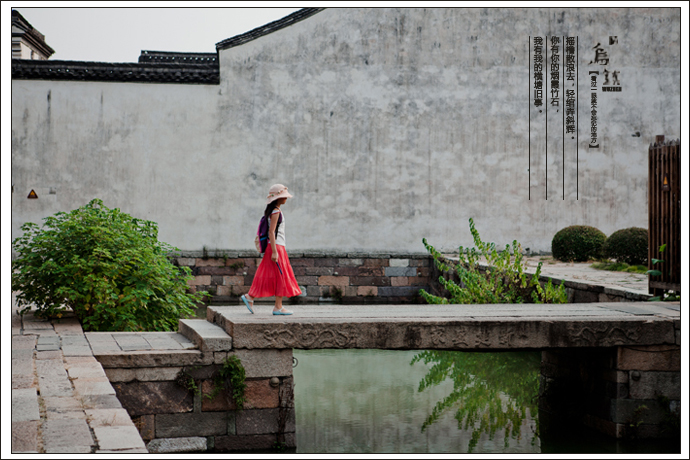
(277, 192)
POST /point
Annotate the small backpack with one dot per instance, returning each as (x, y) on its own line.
(261, 240)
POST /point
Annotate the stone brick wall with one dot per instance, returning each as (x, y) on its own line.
(322, 276)
(174, 418)
(624, 392)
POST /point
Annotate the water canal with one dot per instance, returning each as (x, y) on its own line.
(388, 401)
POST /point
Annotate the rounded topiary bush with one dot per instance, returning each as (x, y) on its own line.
(578, 243)
(628, 245)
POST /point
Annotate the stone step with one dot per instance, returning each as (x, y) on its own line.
(207, 336)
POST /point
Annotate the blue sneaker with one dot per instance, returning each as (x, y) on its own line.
(247, 303)
(282, 311)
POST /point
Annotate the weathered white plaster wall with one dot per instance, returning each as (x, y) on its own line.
(388, 125)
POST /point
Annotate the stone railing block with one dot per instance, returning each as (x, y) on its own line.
(207, 336)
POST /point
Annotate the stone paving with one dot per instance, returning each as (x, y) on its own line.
(584, 273)
(62, 400)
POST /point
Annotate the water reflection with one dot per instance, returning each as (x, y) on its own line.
(492, 393)
(378, 401)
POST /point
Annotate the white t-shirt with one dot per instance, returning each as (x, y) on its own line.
(280, 238)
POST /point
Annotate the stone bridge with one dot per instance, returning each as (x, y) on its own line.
(453, 327)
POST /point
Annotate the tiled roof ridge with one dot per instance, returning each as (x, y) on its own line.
(156, 72)
(149, 56)
(266, 29)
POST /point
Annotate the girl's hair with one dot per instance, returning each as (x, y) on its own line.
(270, 207)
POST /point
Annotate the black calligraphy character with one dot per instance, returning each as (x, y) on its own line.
(600, 56)
(606, 78)
(615, 78)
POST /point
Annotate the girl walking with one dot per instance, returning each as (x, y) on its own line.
(274, 277)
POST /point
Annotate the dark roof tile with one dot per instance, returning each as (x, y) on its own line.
(157, 72)
(271, 27)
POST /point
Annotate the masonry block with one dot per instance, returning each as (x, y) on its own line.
(118, 437)
(201, 280)
(326, 262)
(420, 262)
(627, 411)
(400, 291)
(222, 402)
(382, 262)
(346, 262)
(142, 398)
(215, 271)
(262, 363)
(177, 445)
(650, 384)
(314, 291)
(399, 262)
(224, 291)
(207, 336)
(210, 262)
(401, 271)
(233, 280)
(302, 262)
(143, 374)
(154, 358)
(307, 280)
(192, 424)
(370, 281)
(340, 281)
(318, 271)
(649, 358)
(367, 291)
(399, 281)
(264, 421)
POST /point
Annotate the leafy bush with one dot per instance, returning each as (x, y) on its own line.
(578, 243)
(105, 265)
(504, 281)
(628, 246)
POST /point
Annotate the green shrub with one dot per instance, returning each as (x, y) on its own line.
(504, 281)
(578, 243)
(628, 246)
(105, 265)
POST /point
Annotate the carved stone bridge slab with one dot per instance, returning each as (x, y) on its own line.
(453, 327)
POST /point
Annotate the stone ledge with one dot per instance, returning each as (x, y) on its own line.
(207, 336)
(173, 445)
(153, 358)
(451, 334)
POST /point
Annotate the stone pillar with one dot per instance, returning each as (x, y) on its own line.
(624, 392)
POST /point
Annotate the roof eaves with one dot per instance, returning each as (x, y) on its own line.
(27, 69)
(271, 27)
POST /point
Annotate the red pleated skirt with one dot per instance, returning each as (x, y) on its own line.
(270, 281)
